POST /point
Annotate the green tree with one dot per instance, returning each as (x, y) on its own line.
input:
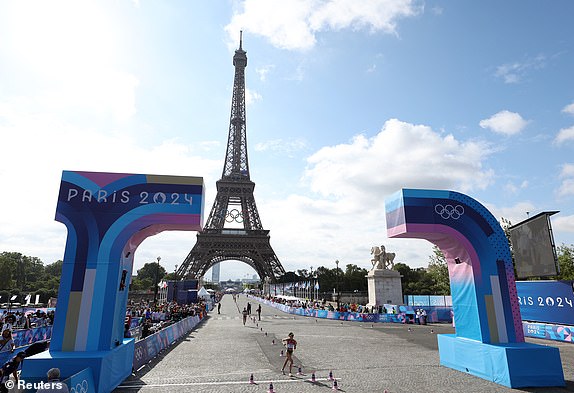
(415, 281)
(565, 262)
(327, 278)
(149, 270)
(54, 269)
(438, 272)
(354, 278)
(141, 285)
(34, 273)
(6, 269)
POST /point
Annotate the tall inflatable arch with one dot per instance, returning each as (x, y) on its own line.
(489, 340)
(107, 215)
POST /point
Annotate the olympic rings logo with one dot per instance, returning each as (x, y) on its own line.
(139, 353)
(449, 211)
(80, 387)
(234, 215)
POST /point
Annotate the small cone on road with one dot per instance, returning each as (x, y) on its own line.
(432, 331)
(313, 377)
(251, 380)
(410, 330)
(281, 353)
(335, 385)
(371, 325)
(271, 388)
(265, 334)
(273, 342)
(299, 372)
(261, 329)
(331, 376)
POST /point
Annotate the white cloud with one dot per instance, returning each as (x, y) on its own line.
(263, 71)
(402, 155)
(505, 122)
(344, 214)
(38, 146)
(293, 25)
(515, 214)
(563, 224)
(68, 72)
(316, 232)
(566, 188)
(251, 96)
(513, 188)
(567, 175)
(567, 170)
(565, 135)
(569, 109)
(515, 72)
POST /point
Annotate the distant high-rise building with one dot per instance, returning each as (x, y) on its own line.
(215, 272)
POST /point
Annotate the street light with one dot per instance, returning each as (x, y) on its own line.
(312, 286)
(175, 285)
(156, 282)
(337, 277)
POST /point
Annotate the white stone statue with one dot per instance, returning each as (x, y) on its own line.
(381, 258)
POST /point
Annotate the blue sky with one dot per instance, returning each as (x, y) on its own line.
(347, 103)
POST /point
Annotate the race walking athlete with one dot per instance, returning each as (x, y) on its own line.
(291, 344)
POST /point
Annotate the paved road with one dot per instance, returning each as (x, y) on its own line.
(221, 354)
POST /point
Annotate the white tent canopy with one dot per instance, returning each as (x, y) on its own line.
(287, 297)
(203, 293)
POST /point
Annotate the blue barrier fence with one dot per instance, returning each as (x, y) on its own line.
(24, 338)
(404, 314)
(149, 347)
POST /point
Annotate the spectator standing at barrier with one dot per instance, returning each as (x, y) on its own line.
(54, 384)
(7, 342)
(244, 315)
(291, 344)
(10, 368)
(146, 329)
(9, 321)
(259, 312)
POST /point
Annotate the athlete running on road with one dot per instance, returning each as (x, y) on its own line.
(291, 344)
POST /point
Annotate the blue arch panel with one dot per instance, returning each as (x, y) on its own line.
(485, 303)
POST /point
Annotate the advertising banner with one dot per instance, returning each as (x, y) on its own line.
(548, 331)
(149, 347)
(546, 301)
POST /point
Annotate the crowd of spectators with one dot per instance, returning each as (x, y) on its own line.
(329, 306)
(20, 319)
(145, 318)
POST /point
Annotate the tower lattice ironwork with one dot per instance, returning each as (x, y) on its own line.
(233, 230)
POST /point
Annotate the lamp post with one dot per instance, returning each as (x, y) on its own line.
(156, 282)
(175, 284)
(312, 285)
(337, 277)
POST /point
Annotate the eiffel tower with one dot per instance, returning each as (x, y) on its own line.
(244, 239)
